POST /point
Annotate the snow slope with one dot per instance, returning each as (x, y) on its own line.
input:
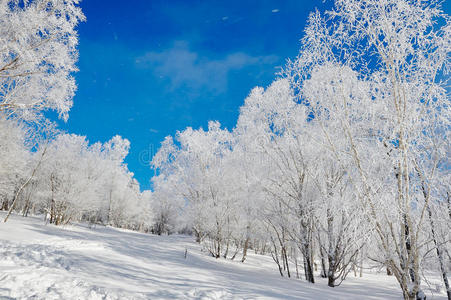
(39, 261)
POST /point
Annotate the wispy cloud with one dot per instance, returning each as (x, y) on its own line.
(186, 68)
(152, 130)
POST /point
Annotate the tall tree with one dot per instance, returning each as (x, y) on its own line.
(38, 56)
(372, 72)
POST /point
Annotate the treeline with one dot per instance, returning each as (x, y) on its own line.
(42, 170)
(343, 159)
(66, 179)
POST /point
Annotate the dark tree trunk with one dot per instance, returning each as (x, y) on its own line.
(389, 272)
(308, 266)
(331, 280)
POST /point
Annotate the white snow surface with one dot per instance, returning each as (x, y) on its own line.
(39, 261)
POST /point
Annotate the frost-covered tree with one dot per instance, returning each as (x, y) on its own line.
(65, 190)
(62, 176)
(349, 148)
(307, 202)
(72, 182)
(166, 206)
(373, 72)
(37, 56)
(195, 161)
(14, 160)
(37, 59)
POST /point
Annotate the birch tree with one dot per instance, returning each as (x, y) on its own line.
(373, 72)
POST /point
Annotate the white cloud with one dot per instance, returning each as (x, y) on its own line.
(186, 68)
(275, 10)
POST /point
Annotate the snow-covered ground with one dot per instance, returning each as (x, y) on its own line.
(39, 261)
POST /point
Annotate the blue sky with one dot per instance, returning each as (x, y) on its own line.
(150, 68)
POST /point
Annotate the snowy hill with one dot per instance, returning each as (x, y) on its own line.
(39, 261)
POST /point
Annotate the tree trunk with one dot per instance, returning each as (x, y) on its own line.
(297, 269)
(275, 257)
(322, 255)
(331, 272)
(246, 245)
(285, 260)
(438, 251)
(308, 266)
(361, 262)
(5, 203)
(331, 280)
(25, 184)
(226, 252)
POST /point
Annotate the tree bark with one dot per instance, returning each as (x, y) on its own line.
(246, 245)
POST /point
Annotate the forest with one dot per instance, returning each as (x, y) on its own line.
(343, 162)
